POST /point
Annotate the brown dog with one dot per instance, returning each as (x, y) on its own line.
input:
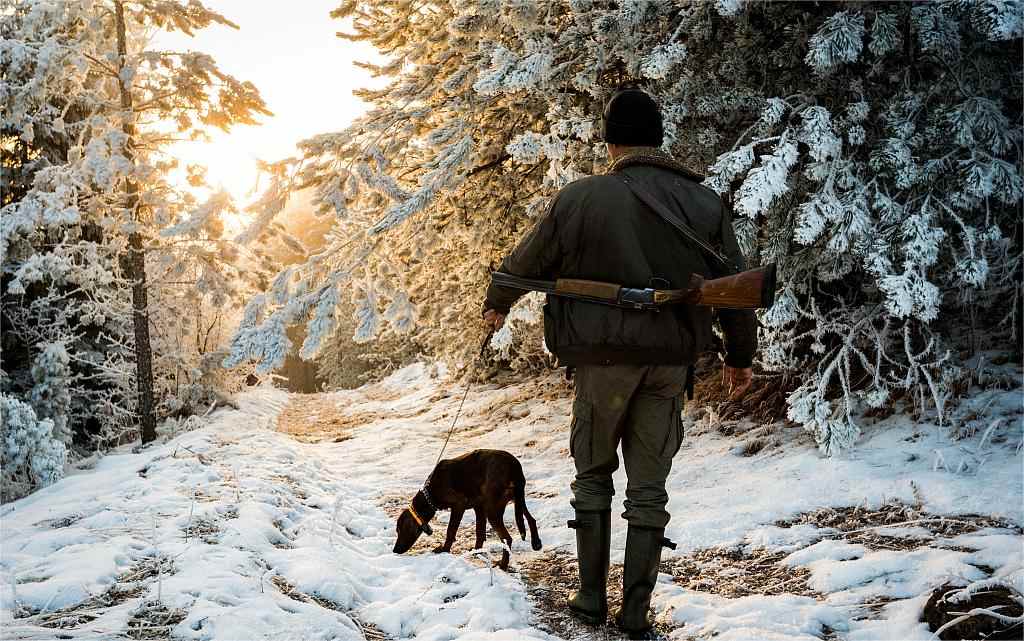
(485, 480)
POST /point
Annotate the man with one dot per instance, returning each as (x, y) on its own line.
(631, 366)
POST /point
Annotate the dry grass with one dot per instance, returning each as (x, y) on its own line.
(292, 484)
(370, 631)
(316, 419)
(207, 527)
(289, 591)
(63, 521)
(204, 528)
(734, 573)
(870, 526)
(129, 585)
(153, 620)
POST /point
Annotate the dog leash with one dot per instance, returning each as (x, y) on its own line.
(465, 393)
(425, 491)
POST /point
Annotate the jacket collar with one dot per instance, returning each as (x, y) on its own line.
(652, 156)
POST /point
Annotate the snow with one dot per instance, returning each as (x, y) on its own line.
(794, 618)
(888, 573)
(827, 550)
(243, 515)
(783, 539)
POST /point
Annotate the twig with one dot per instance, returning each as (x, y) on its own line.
(191, 509)
(202, 459)
(912, 522)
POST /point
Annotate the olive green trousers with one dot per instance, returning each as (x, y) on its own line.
(639, 406)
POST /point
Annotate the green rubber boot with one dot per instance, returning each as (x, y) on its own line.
(593, 542)
(639, 574)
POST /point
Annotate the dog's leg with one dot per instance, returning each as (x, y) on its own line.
(497, 522)
(481, 527)
(453, 526)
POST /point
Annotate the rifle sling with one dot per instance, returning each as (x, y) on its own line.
(688, 232)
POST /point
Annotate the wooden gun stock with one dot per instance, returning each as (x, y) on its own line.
(752, 289)
(588, 288)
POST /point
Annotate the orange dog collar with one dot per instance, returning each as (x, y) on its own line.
(424, 527)
(415, 516)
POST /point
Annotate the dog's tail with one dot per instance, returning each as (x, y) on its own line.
(520, 501)
(522, 511)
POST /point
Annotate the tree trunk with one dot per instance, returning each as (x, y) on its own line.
(136, 263)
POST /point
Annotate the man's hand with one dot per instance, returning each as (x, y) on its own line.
(494, 319)
(736, 380)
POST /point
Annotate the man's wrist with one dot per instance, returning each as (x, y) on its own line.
(489, 306)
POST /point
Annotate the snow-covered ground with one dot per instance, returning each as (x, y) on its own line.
(240, 531)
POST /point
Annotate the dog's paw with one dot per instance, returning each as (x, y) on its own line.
(536, 544)
(441, 549)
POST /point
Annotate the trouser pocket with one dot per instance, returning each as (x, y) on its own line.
(581, 432)
(674, 433)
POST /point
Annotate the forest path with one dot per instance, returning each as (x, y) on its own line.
(315, 418)
(739, 513)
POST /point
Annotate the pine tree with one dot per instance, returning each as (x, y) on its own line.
(135, 265)
(31, 456)
(94, 227)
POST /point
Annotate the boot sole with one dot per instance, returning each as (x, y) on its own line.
(641, 634)
(593, 618)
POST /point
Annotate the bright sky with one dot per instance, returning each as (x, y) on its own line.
(303, 71)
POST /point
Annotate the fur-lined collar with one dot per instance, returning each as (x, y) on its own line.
(653, 156)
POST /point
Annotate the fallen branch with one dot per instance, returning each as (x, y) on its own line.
(1002, 618)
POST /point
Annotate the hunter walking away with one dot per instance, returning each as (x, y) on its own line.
(531, 319)
(632, 366)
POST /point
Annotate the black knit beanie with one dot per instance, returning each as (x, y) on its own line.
(632, 118)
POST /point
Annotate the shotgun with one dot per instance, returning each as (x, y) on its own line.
(751, 289)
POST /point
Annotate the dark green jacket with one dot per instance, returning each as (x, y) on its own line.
(597, 229)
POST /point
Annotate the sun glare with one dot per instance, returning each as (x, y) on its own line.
(304, 98)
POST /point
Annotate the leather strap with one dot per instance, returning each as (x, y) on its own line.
(689, 232)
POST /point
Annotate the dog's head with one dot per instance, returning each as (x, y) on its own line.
(412, 522)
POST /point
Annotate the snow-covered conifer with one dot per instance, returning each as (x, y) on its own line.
(91, 213)
(32, 455)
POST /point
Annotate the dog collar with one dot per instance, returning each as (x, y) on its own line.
(426, 495)
(415, 516)
(419, 520)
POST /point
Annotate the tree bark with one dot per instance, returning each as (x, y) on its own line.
(136, 263)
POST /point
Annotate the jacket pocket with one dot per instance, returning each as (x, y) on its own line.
(581, 431)
(550, 327)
